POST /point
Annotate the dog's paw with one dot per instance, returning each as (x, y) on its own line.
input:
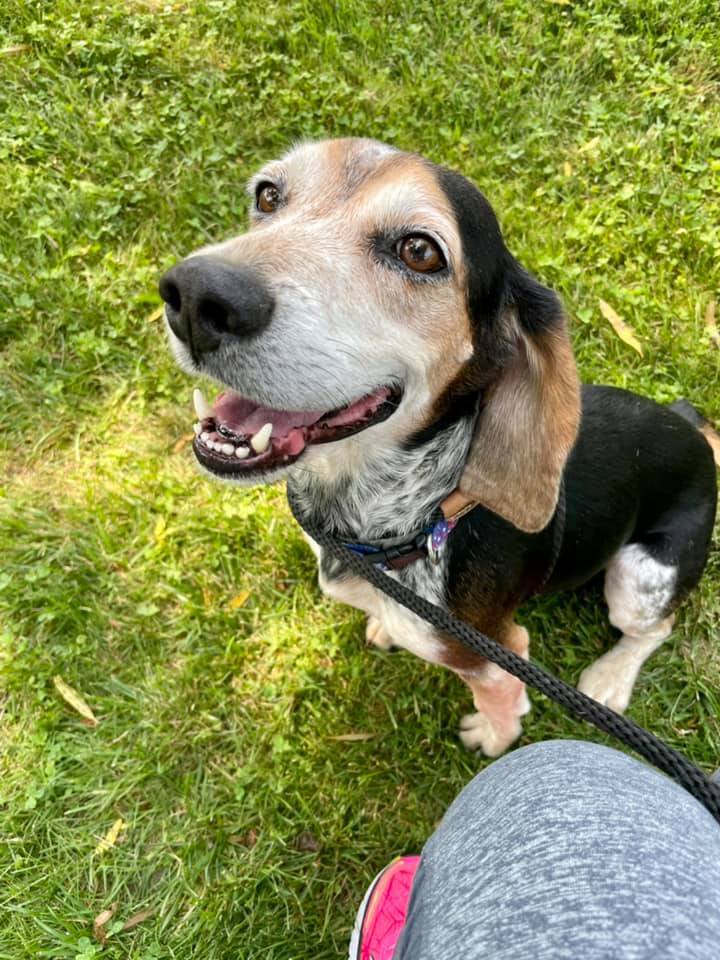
(478, 732)
(609, 682)
(377, 635)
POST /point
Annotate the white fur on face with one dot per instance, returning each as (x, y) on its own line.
(345, 323)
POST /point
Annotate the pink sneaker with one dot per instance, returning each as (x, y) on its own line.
(381, 917)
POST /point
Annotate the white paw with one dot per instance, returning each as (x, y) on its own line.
(376, 634)
(608, 681)
(478, 732)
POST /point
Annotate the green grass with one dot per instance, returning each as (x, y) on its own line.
(127, 130)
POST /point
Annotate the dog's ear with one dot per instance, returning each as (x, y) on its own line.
(529, 412)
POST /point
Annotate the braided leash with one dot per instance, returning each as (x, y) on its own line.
(582, 707)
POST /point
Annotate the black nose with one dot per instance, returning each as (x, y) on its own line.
(208, 300)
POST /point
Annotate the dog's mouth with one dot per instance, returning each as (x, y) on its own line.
(236, 437)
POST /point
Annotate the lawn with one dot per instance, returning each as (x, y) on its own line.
(186, 614)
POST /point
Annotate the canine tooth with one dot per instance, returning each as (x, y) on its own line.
(227, 448)
(204, 436)
(202, 407)
(197, 427)
(261, 440)
(242, 452)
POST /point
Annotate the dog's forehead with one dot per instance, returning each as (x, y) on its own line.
(375, 180)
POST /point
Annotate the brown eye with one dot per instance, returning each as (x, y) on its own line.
(421, 254)
(268, 198)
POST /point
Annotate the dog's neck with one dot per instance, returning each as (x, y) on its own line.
(387, 496)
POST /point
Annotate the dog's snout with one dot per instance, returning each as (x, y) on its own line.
(209, 299)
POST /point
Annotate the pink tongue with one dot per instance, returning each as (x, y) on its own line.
(244, 417)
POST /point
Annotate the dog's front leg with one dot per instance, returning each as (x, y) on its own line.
(500, 700)
(356, 593)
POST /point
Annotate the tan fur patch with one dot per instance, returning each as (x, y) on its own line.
(525, 432)
(713, 438)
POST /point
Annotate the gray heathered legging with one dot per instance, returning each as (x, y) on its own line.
(569, 851)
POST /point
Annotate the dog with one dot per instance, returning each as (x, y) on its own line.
(382, 350)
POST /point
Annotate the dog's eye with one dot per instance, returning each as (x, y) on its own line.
(421, 254)
(267, 198)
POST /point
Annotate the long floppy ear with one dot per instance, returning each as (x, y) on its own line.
(529, 414)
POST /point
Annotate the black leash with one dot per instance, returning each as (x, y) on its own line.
(582, 707)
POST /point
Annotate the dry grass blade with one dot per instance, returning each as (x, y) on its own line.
(353, 737)
(71, 696)
(622, 329)
(711, 323)
(14, 50)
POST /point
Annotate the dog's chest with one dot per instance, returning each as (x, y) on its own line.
(404, 628)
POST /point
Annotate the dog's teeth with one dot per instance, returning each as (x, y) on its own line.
(212, 445)
(202, 407)
(228, 448)
(204, 436)
(261, 440)
(197, 427)
(242, 452)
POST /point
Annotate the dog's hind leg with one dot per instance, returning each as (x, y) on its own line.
(647, 578)
(641, 591)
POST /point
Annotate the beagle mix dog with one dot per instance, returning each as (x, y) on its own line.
(381, 349)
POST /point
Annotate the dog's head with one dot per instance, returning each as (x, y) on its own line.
(371, 303)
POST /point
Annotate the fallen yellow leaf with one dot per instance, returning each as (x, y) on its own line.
(156, 314)
(590, 145)
(567, 169)
(137, 918)
(622, 329)
(160, 529)
(99, 922)
(110, 838)
(182, 442)
(239, 600)
(72, 697)
(711, 324)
